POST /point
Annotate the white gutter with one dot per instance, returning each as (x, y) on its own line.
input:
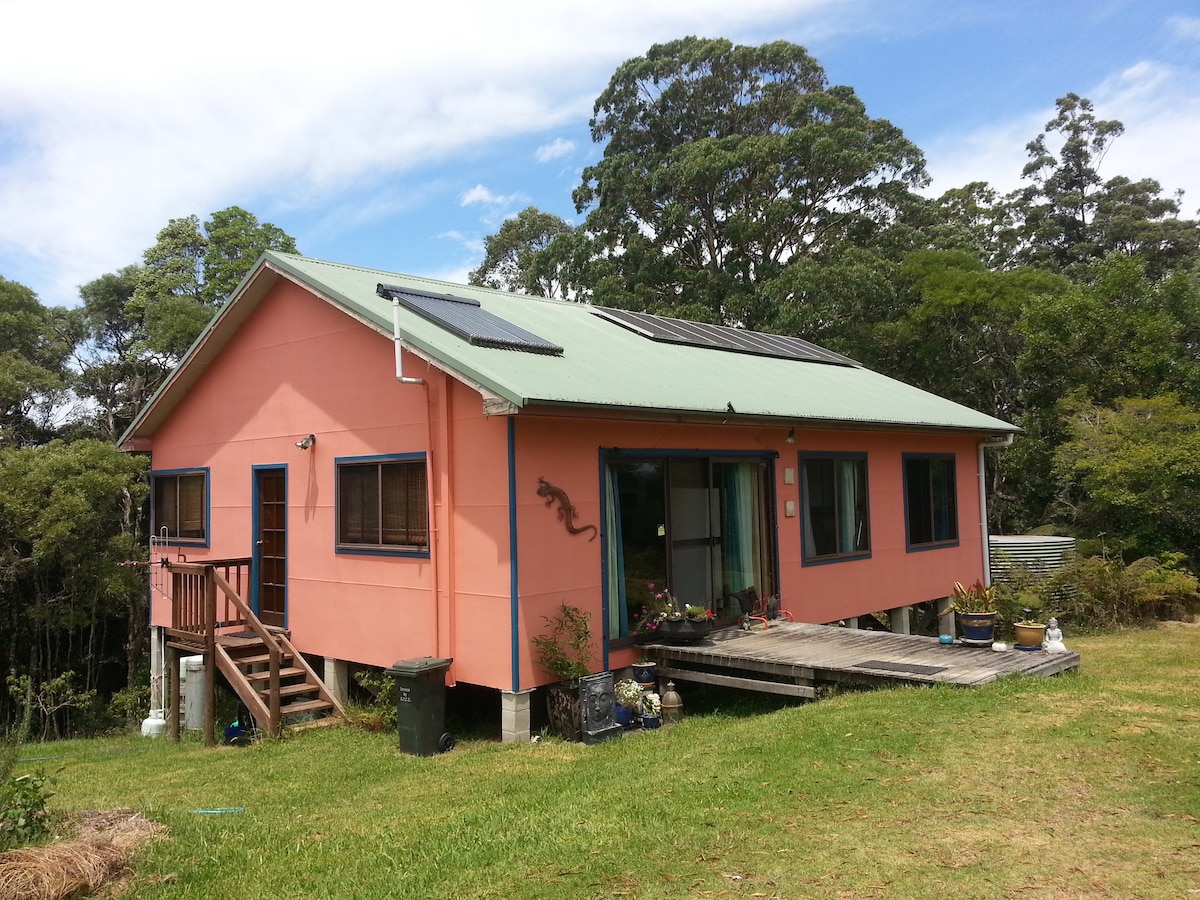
(400, 376)
(994, 443)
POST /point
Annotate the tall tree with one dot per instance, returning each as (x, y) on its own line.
(515, 257)
(190, 271)
(722, 165)
(35, 344)
(1071, 216)
(114, 372)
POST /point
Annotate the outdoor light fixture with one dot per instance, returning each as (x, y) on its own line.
(791, 436)
(307, 442)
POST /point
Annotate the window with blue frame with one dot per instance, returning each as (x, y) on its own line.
(181, 505)
(383, 504)
(701, 526)
(835, 504)
(930, 500)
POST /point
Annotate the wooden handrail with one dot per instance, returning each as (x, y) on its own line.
(272, 645)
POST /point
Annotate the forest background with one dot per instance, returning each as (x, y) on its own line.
(736, 186)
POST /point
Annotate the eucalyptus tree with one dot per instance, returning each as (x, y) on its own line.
(190, 270)
(1070, 215)
(516, 258)
(723, 164)
(35, 346)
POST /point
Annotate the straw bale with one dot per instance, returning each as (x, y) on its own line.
(73, 868)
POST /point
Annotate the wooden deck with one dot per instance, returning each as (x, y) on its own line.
(795, 658)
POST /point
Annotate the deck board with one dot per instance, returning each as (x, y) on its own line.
(797, 653)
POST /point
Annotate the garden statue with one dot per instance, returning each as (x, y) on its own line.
(1054, 638)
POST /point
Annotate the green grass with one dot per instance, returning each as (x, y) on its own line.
(1085, 785)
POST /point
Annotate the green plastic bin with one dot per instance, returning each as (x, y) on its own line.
(421, 705)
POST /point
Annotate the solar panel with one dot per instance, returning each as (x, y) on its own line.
(720, 337)
(467, 319)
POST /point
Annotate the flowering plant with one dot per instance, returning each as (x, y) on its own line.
(663, 607)
(651, 704)
(628, 693)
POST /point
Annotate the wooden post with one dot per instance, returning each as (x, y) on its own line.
(210, 657)
(901, 618)
(174, 703)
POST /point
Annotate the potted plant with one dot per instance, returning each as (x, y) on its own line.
(628, 695)
(976, 610)
(665, 619)
(566, 652)
(651, 710)
(644, 673)
(1031, 634)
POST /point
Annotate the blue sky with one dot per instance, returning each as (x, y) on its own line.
(400, 135)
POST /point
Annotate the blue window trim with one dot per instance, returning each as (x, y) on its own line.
(932, 545)
(339, 461)
(206, 541)
(831, 559)
(255, 560)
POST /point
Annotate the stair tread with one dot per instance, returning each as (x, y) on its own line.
(257, 659)
(292, 709)
(289, 672)
(287, 690)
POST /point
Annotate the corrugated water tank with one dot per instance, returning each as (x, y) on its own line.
(1039, 554)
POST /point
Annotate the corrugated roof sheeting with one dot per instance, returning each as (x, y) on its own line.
(604, 365)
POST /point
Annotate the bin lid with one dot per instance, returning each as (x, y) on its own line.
(418, 666)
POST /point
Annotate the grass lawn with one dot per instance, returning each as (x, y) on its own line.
(1084, 785)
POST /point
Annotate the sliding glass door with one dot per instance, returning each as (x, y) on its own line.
(701, 526)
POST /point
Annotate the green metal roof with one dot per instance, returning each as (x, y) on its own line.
(603, 365)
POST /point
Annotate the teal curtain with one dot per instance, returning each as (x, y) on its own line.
(618, 610)
(739, 526)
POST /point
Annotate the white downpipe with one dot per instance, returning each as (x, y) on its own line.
(996, 443)
(400, 376)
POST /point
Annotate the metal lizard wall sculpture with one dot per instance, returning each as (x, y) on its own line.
(566, 509)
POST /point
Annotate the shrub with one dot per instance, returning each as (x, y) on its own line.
(1113, 593)
(23, 814)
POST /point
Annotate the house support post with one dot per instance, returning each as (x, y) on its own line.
(945, 616)
(337, 678)
(515, 709)
(172, 673)
(901, 618)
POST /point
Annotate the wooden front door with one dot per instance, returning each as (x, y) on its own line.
(270, 547)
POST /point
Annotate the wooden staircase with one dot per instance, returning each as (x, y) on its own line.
(259, 662)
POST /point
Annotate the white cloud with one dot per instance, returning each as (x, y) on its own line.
(1184, 27)
(556, 149)
(115, 117)
(483, 195)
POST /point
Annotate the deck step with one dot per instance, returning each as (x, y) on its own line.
(290, 690)
(304, 706)
(289, 672)
(261, 659)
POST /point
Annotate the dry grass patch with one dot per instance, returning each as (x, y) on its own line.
(98, 857)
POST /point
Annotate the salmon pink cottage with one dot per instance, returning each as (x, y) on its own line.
(385, 467)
